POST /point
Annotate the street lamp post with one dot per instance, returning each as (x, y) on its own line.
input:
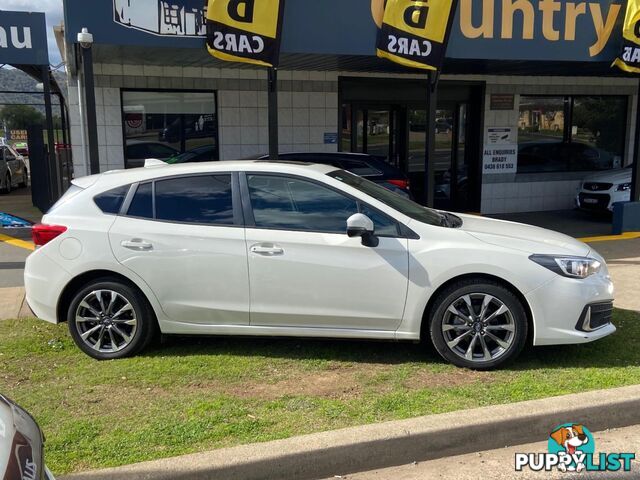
(85, 40)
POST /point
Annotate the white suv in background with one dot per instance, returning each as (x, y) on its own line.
(600, 191)
(308, 250)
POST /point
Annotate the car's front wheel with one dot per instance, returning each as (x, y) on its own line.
(109, 319)
(25, 176)
(7, 184)
(478, 324)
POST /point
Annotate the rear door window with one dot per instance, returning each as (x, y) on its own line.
(142, 202)
(203, 199)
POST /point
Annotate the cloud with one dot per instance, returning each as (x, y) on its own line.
(53, 12)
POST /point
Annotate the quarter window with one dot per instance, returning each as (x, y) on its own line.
(111, 200)
(195, 199)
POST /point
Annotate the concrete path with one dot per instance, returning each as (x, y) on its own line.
(499, 464)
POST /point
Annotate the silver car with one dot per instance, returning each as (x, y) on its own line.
(13, 169)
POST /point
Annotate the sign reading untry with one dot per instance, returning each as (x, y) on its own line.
(629, 58)
(413, 32)
(245, 30)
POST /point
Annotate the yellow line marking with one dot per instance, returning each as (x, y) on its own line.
(16, 242)
(609, 238)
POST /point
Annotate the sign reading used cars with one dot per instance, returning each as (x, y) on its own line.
(245, 31)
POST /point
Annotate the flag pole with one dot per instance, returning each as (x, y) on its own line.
(433, 76)
(273, 112)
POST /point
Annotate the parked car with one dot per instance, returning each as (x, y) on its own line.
(22, 148)
(557, 156)
(13, 169)
(600, 191)
(21, 444)
(137, 151)
(369, 166)
(288, 249)
(206, 153)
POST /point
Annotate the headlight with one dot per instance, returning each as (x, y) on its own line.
(623, 187)
(573, 267)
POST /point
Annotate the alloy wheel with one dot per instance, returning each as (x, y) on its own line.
(106, 321)
(478, 327)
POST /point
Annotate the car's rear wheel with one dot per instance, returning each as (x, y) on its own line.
(478, 324)
(110, 319)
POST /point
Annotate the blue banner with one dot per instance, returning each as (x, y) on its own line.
(23, 38)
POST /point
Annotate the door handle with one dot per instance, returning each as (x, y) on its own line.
(137, 244)
(266, 249)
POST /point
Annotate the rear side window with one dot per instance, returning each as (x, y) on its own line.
(195, 199)
(111, 200)
(142, 202)
(359, 168)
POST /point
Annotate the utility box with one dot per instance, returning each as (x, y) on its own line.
(626, 217)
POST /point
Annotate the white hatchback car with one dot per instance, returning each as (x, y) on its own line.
(290, 249)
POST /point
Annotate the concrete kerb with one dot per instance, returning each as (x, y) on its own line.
(370, 447)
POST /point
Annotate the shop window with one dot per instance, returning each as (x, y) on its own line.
(562, 134)
(167, 124)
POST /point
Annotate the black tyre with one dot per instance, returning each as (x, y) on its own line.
(23, 182)
(110, 319)
(478, 324)
(7, 184)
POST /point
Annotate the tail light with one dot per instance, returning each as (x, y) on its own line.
(404, 184)
(43, 234)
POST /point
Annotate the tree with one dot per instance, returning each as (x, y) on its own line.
(19, 117)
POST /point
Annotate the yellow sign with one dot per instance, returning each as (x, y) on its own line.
(629, 59)
(245, 31)
(413, 32)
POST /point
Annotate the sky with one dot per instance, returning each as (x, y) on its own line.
(53, 11)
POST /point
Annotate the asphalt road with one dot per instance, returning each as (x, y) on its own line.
(499, 464)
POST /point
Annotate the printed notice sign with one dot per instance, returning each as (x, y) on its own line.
(500, 159)
(500, 136)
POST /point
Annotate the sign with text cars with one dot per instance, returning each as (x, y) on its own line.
(23, 38)
(245, 31)
(629, 58)
(413, 32)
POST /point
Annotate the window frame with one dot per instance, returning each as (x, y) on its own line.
(169, 90)
(402, 230)
(567, 136)
(238, 218)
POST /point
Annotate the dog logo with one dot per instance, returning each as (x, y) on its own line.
(573, 440)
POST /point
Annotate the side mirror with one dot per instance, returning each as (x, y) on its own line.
(359, 225)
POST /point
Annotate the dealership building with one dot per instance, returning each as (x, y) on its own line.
(526, 107)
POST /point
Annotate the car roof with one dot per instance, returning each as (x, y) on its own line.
(122, 177)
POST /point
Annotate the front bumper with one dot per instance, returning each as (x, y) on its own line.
(559, 305)
(601, 201)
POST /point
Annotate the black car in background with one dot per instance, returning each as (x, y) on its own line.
(368, 166)
(21, 444)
